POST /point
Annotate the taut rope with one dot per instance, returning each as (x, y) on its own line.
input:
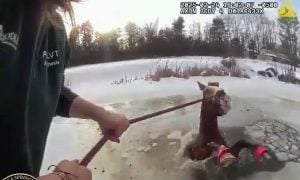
(90, 155)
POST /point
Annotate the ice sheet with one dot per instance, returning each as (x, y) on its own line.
(253, 99)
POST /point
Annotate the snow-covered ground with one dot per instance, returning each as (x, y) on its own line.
(152, 149)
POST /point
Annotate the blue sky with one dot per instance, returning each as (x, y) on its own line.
(296, 5)
(106, 15)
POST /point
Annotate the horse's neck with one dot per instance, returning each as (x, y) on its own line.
(208, 118)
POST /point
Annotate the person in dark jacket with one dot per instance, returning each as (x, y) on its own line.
(34, 53)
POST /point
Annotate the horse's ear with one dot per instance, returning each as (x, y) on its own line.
(201, 86)
(213, 84)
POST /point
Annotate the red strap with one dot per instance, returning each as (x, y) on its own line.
(222, 150)
(259, 151)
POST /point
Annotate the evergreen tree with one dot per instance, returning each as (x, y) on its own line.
(74, 37)
(86, 32)
(178, 26)
(218, 37)
(133, 35)
(236, 48)
(217, 30)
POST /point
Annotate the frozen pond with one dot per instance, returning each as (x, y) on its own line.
(152, 149)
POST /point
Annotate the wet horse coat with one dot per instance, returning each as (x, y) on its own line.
(215, 103)
(209, 129)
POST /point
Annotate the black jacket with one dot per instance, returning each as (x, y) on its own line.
(33, 55)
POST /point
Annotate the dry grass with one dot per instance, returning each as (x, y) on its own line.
(229, 62)
(196, 70)
(180, 71)
(236, 71)
(289, 77)
(233, 68)
(126, 80)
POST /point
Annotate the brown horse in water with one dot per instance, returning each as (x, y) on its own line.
(216, 103)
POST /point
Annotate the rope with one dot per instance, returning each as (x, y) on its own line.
(91, 154)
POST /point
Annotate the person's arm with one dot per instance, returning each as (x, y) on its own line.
(71, 105)
(65, 101)
(112, 124)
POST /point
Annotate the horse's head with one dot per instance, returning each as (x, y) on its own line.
(216, 97)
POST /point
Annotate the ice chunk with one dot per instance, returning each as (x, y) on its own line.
(144, 148)
(291, 156)
(155, 135)
(124, 155)
(175, 135)
(154, 144)
(172, 143)
(147, 148)
(282, 156)
(140, 149)
(185, 140)
(295, 148)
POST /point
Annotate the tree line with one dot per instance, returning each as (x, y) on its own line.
(228, 35)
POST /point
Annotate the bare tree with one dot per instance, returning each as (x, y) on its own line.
(206, 32)
(151, 30)
(195, 31)
(74, 37)
(87, 33)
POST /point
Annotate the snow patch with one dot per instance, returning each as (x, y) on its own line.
(144, 148)
(154, 144)
(172, 143)
(175, 135)
(154, 135)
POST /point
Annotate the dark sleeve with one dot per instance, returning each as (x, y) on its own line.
(66, 97)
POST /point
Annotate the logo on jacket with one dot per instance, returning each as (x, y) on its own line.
(11, 39)
(20, 176)
(50, 58)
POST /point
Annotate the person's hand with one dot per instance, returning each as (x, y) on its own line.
(76, 171)
(112, 125)
(72, 169)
